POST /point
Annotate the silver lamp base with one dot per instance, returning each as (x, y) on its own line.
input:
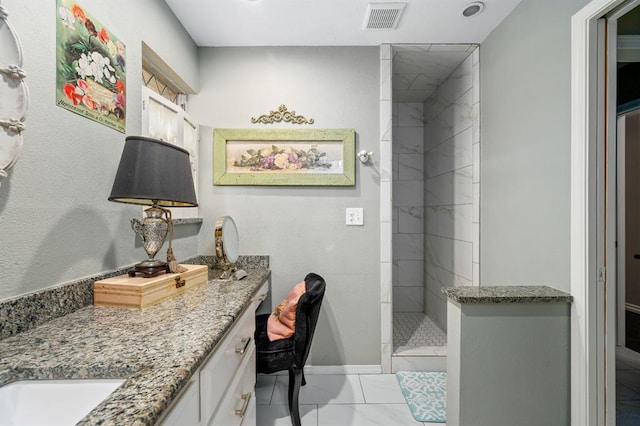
(152, 230)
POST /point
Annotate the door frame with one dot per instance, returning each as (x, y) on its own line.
(593, 312)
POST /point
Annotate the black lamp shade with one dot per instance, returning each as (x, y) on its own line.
(153, 172)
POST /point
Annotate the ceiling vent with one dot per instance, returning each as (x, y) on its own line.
(383, 16)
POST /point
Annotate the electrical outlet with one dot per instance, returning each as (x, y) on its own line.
(355, 216)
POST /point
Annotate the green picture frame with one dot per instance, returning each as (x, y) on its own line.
(287, 157)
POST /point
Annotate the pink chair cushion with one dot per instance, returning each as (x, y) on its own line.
(282, 321)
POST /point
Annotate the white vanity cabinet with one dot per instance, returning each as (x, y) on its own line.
(231, 362)
(222, 391)
(186, 410)
(238, 403)
(262, 299)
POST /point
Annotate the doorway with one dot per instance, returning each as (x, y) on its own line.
(435, 156)
(627, 357)
(623, 32)
(628, 174)
(628, 243)
(628, 345)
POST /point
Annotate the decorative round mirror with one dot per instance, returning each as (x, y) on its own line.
(226, 242)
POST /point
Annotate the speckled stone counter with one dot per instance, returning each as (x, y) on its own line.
(506, 294)
(26, 311)
(155, 349)
(508, 356)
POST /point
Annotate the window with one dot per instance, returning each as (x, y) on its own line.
(155, 82)
(167, 121)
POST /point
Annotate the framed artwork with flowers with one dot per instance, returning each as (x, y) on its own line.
(90, 67)
(284, 157)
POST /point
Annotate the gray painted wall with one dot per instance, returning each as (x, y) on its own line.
(302, 228)
(525, 77)
(56, 224)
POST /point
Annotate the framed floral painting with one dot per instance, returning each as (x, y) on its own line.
(90, 67)
(284, 157)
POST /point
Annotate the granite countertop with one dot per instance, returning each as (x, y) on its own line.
(506, 294)
(155, 349)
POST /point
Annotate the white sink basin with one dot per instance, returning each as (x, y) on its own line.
(52, 402)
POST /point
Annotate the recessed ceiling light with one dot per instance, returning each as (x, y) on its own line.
(472, 9)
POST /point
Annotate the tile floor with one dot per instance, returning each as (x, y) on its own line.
(336, 400)
(627, 387)
(413, 330)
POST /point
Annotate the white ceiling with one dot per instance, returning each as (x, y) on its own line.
(331, 22)
(418, 66)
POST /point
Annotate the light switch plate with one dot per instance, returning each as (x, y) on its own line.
(355, 216)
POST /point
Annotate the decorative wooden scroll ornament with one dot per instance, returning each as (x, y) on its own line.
(282, 115)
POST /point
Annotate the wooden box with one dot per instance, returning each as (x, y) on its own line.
(139, 292)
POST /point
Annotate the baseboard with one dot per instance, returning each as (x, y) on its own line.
(338, 369)
(631, 307)
(343, 369)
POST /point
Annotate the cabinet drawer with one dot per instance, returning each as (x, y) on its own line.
(238, 405)
(260, 296)
(186, 410)
(218, 372)
(250, 418)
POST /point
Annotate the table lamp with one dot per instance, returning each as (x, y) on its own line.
(158, 174)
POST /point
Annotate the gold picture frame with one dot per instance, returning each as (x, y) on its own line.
(288, 157)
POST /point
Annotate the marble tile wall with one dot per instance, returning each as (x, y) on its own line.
(452, 186)
(386, 319)
(408, 207)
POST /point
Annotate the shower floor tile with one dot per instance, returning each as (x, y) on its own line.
(415, 330)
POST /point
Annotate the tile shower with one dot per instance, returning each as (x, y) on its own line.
(435, 205)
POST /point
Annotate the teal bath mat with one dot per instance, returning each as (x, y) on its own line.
(426, 394)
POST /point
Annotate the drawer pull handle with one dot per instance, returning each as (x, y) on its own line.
(179, 282)
(246, 397)
(245, 344)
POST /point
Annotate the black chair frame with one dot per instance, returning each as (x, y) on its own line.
(291, 353)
